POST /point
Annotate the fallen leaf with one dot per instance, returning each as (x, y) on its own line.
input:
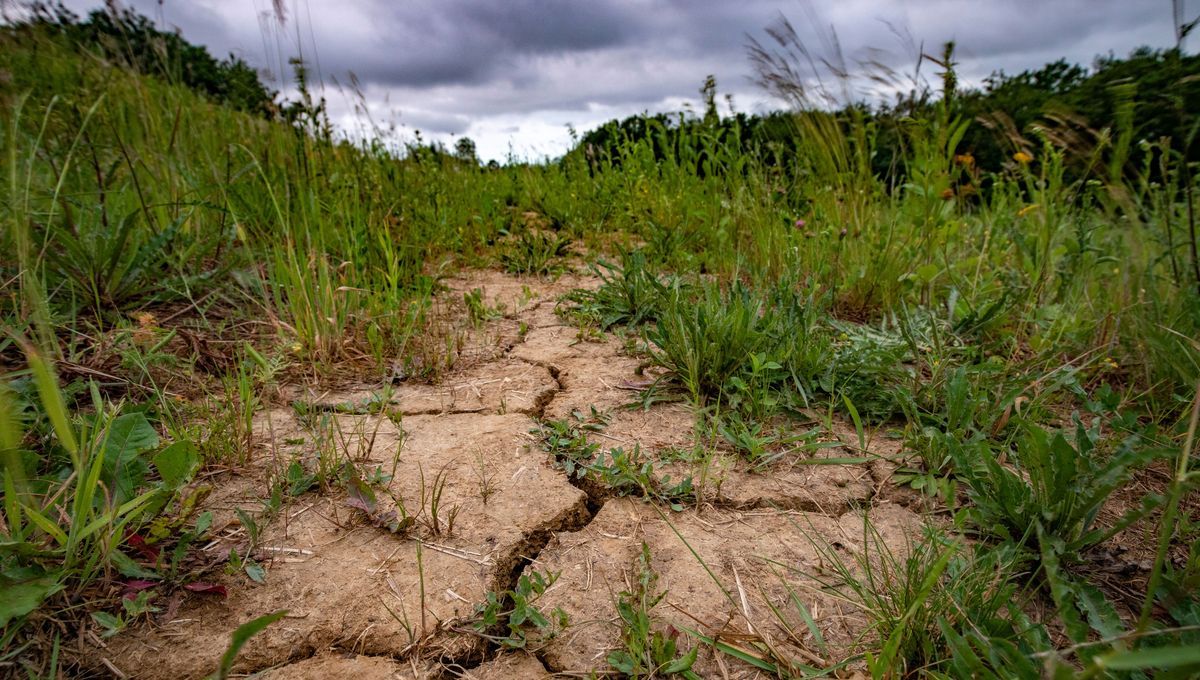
(211, 588)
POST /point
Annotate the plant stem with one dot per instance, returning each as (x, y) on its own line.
(1167, 528)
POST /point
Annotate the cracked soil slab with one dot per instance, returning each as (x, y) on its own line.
(758, 559)
(366, 602)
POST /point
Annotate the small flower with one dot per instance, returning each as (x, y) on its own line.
(800, 223)
(965, 159)
(947, 194)
(1111, 363)
(1022, 157)
(296, 347)
(145, 320)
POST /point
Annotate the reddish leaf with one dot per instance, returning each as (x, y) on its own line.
(212, 588)
(139, 544)
(359, 504)
(132, 588)
(360, 496)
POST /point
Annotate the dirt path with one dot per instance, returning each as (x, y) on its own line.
(366, 601)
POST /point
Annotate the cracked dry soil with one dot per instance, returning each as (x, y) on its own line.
(367, 603)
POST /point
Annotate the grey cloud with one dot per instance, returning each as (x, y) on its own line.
(422, 44)
(464, 66)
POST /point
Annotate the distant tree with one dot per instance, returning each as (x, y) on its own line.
(1153, 93)
(1149, 95)
(464, 150)
(132, 40)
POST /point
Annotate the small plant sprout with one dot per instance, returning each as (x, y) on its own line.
(485, 477)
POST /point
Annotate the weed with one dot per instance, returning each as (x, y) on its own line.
(761, 445)
(485, 476)
(240, 637)
(361, 496)
(515, 614)
(923, 602)
(964, 281)
(646, 651)
(479, 312)
(535, 252)
(566, 440)
(706, 339)
(69, 511)
(616, 471)
(132, 608)
(631, 473)
(1051, 496)
(629, 294)
(872, 367)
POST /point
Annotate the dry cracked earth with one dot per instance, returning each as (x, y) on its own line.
(366, 602)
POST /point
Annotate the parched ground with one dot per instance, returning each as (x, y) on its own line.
(364, 601)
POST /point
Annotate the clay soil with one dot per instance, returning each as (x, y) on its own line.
(366, 602)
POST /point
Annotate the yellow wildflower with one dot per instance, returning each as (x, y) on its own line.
(1022, 157)
(965, 159)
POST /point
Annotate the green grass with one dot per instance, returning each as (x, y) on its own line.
(922, 597)
(762, 287)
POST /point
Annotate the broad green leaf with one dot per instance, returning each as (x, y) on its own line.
(1100, 612)
(12, 466)
(129, 435)
(927, 273)
(681, 664)
(25, 549)
(111, 624)
(203, 523)
(255, 571)
(1060, 588)
(176, 463)
(125, 564)
(21, 598)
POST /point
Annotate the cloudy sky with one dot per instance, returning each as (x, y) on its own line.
(514, 74)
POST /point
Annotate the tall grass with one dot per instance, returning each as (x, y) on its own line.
(762, 282)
